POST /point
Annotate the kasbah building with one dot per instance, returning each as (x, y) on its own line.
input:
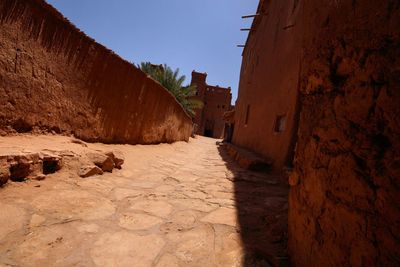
(216, 100)
(267, 108)
(265, 118)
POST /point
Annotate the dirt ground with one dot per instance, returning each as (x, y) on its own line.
(181, 204)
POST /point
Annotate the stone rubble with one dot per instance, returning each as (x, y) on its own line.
(20, 166)
(106, 163)
(117, 157)
(89, 170)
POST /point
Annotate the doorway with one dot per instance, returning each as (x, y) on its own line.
(208, 133)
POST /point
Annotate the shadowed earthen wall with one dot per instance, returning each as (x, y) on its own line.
(54, 77)
(345, 195)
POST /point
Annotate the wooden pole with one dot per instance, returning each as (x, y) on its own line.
(250, 16)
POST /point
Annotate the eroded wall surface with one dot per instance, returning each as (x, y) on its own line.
(266, 111)
(345, 195)
(54, 78)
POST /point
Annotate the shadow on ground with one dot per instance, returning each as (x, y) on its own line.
(261, 202)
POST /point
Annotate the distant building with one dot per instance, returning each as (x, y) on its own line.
(267, 108)
(217, 100)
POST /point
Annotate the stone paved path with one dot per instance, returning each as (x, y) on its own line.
(170, 205)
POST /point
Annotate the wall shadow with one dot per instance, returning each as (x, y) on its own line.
(261, 201)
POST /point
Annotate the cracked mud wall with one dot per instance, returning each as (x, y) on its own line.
(55, 78)
(345, 195)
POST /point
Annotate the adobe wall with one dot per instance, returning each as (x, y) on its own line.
(216, 100)
(345, 195)
(199, 80)
(54, 78)
(268, 86)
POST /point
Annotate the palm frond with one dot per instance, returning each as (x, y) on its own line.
(173, 82)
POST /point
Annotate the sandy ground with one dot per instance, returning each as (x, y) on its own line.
(170, 205)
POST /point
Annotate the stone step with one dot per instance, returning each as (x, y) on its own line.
(247, 159)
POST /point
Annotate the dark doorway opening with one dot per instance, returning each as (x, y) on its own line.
(208, 133)
(228, 133)
(209, 128)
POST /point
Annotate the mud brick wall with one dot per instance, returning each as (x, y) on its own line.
(269, 82)
(55, 78)
(345, 195)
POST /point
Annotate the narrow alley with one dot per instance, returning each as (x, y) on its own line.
(181, 204)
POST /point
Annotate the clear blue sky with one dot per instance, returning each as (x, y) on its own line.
(190, 35)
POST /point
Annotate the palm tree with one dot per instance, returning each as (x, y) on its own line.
(172, 81)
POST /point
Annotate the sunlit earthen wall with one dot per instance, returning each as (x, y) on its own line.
(266, 112)
(54, 77)
(345, 199)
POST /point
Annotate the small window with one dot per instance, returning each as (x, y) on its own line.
(223, 106)
(217, 106)
(280, 124)
(295, 3)
(247, 115)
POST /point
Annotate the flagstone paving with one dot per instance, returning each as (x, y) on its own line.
(170, 205)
